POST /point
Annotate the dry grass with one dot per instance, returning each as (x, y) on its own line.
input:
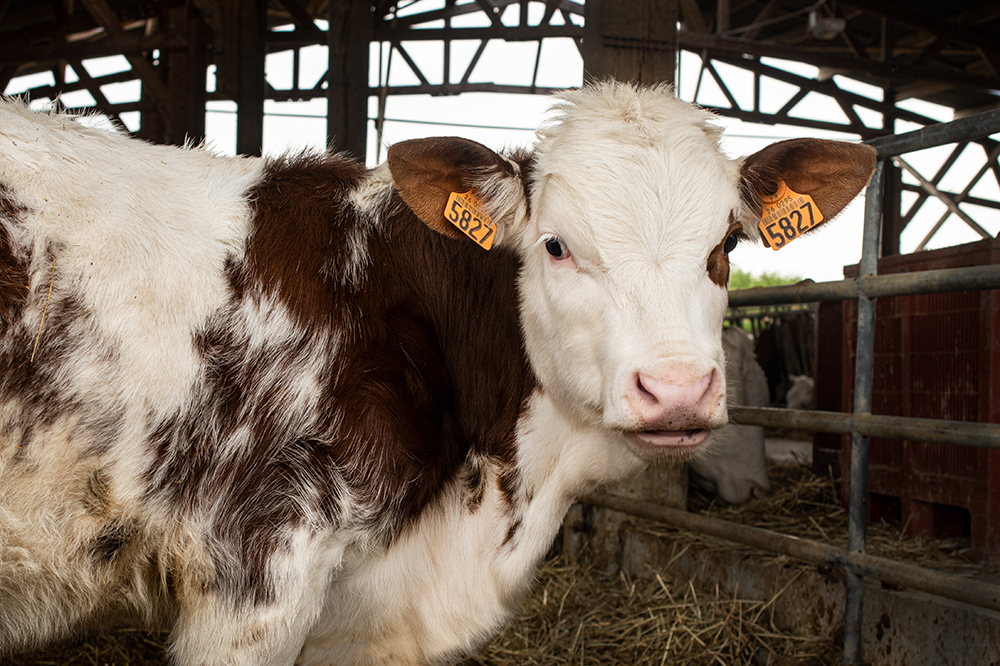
(805, 504)
(576, 616)
(122, 647)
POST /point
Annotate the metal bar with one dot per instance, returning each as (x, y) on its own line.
(472, 64)
(942, 170)
(386, 33)
(894, 70)
(828, 87)
(945, 199)
(973, 278)
(981, 435)
(413, 66)
(978, 201)
(991, 155)
(958, 588)
(723, 86)
(857, 512)
(980, 124)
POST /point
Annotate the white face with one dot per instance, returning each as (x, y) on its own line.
(621, 312)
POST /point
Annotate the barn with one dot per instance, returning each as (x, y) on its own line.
(879, 542)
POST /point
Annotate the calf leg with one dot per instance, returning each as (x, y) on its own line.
(217, 626)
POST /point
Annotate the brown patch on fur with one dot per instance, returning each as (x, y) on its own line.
(831, 172)
(512, 532)
(97, 494)
(299, 245)
(13, 272)
(110, 541)
(430, 375)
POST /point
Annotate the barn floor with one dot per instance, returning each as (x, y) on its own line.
(574, 616)
(697, 601)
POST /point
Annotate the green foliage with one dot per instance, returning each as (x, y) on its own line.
(742, 280)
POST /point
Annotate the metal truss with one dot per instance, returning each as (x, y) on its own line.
(950, 58)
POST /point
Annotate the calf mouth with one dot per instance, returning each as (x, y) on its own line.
(673, 439)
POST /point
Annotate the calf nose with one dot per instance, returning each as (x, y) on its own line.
(675, 403)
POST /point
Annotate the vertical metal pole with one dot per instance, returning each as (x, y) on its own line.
(863, 370)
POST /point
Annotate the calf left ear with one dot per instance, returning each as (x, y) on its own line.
(831, 172)
(427, 171)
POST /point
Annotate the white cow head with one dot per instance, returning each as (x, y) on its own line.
(624, 215)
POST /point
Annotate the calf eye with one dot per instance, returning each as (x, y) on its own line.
(731, 242)
(555, 247)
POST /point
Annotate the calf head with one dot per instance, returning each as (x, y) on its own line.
(623, 216)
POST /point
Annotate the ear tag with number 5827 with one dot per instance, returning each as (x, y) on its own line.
(787, 215)
(466, 212)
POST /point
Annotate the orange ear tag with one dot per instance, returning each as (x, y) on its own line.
(466, 212)
(787, 215)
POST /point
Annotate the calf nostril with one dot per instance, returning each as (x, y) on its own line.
(645, 393)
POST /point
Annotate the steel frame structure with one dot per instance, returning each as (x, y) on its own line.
(169, 44)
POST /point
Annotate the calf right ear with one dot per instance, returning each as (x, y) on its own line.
(427, 171)
(831, 172)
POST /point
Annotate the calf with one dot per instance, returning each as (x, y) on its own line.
(802, 393)
(734, 463)
(288, 410)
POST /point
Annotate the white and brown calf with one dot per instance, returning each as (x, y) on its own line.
(285, 409)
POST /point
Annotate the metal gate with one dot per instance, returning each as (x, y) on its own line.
(861, 424)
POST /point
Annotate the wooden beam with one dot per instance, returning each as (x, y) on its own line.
(250, 81)
(303, 20)
(186, 80)
(722, 16)
(127, 45)
(212, 12)
(631, 40)
(770, 9)
(907, 15)
(151, 81)
(692, 16)
(348, 37)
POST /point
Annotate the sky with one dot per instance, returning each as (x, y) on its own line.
(504, 121)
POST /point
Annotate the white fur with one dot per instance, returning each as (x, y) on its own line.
(640, 191)
(140, 231)
(452, 582)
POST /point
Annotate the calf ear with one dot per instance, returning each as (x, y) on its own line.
(427, 171)
(831, 172)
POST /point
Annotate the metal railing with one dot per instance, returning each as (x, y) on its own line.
(861, 424)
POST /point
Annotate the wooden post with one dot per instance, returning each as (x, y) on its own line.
(630, 40)
(186, 78)
(348, 38)
(250, 83)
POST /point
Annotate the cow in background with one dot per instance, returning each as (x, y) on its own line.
(294, 411)
(802, 393)
(734, 464)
